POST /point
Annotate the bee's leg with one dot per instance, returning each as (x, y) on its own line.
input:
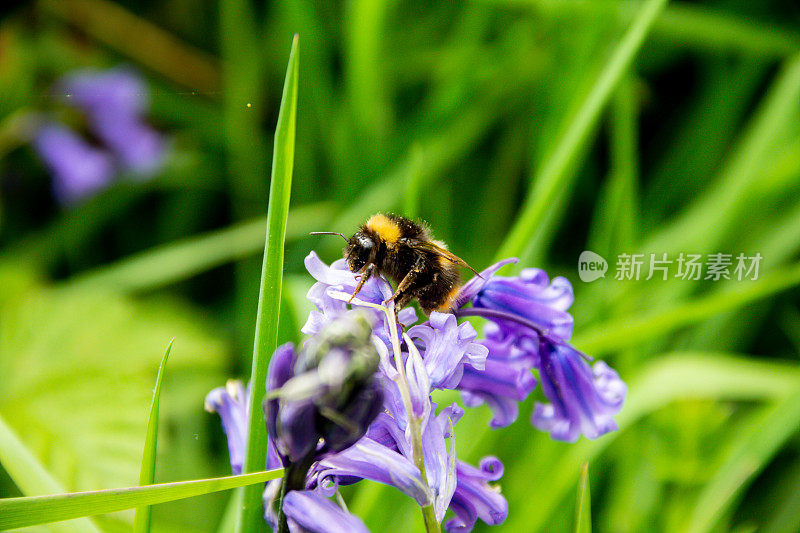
(404, 285)
(364, 277)
(399, 303)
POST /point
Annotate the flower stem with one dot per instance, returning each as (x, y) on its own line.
(428, 515)
(294, 479)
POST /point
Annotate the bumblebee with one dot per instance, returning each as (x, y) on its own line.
(422, 268)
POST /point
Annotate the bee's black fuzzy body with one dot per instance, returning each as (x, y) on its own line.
(406, 252)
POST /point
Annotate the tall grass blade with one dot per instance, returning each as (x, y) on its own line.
(550, 179)
(269, 300)
(141, 521)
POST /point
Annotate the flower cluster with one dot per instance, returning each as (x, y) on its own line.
(405, 443)
(113, 104)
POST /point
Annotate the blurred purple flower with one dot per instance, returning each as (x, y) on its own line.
(137, 146)
(114, 102)
(325, 393)
(117, 91)
(79, 170)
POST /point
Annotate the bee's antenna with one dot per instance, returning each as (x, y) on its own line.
(329, 233)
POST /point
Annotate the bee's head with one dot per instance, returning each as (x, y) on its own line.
(361, 250)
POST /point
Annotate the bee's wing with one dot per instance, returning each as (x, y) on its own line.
(443, 252)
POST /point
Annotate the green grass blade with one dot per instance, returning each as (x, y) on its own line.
(631, 330)
(140, 40)
(30, 476)
(583, 507)
(616, 222)
(696, 26)
(266, 335)
(726, 201)
(141, 521)
(33, 510)
(179, 260)
(549, 180)
(750, 454)
(669, 378)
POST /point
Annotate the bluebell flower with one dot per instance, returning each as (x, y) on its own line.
(584, 399)
(474, 496)
(323, 398)
(337, 278)
(446, 347)
(231, 403)
(529, 329)
(506, 379)
(528, 326)
(79, 170)
(117, 91)
(115, 102)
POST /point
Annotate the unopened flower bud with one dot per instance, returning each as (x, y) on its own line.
(329, 396)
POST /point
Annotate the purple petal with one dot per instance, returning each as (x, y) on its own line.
(506, 379)
(309, 511)
(79, 170)
(474, 285)
(533, 298)
(280, 371)
(361, 412)
(475, 498)
(439, 464)
(337, 278)
(369, 460)
(419, 384)
(447, 345)
(297, 434)
(501, 386)
(231, 403)
(584, 400)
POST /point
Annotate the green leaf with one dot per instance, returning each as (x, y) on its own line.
(583, 507)
(552, 177)
(750, 454)
(77, 382)
(632, 330)
(141, 521)
(682, 23)
(269, 299)
(32, 510)
(667, 379)
(29, 474)
(179, 260)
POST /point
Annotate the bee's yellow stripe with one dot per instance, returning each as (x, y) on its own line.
(385, 227)
(447, 305)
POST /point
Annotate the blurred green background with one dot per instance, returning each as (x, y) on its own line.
(489, 119)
